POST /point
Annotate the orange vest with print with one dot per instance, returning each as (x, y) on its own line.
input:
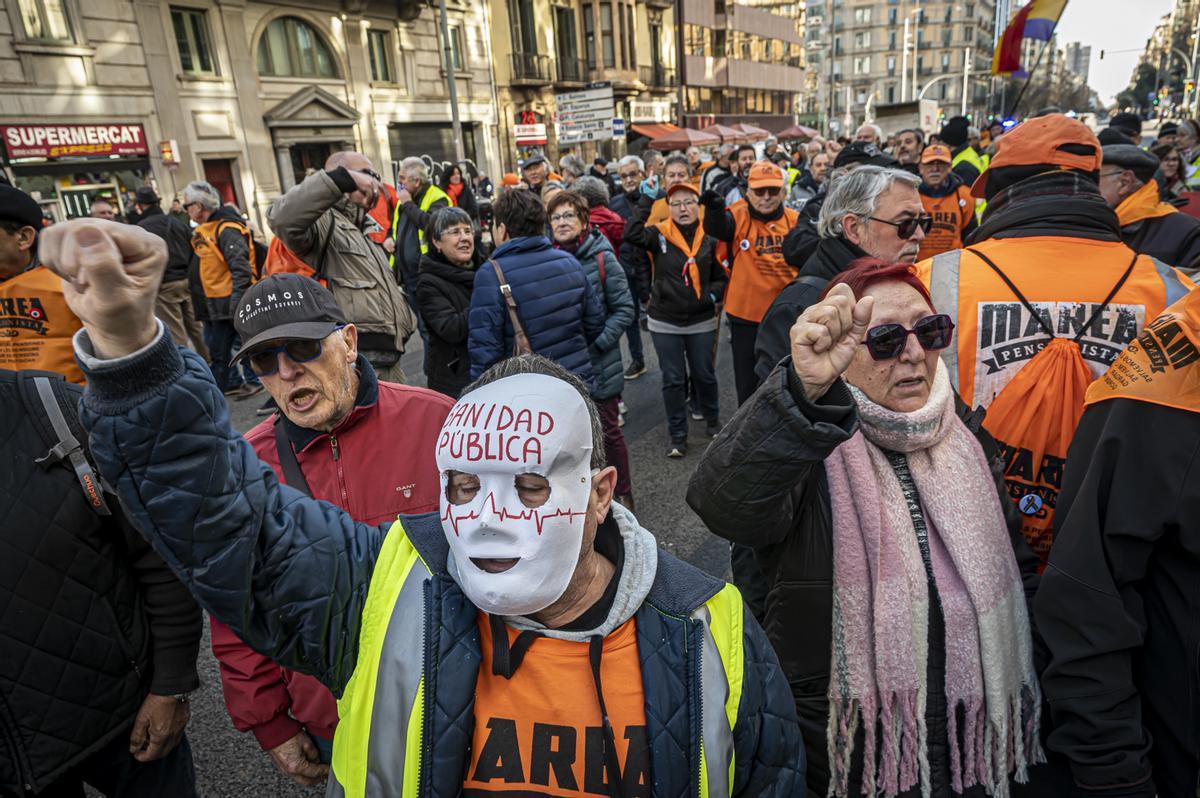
(36, 325)
(1162, 366)
(214, 271)
(758, 271)
(527, 741)
(951, 215)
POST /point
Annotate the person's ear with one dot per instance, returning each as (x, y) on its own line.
(350, 336)
(604, 485)
(26, 237)
(852, 229)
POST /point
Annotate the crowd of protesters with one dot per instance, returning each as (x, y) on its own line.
(960, 487)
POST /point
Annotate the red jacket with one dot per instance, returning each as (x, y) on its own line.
(610, 223)
(383, 467)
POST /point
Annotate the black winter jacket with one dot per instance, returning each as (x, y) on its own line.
(801, 241)
(1117, 607)
(762, 483)
(90, 618)
(671, 300)
(832, 257)
(179, 242)
(633, 258)
(1174, 239)
(443, 300)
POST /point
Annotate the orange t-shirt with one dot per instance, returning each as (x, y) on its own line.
(758, 272)
(540, 733)
(36, 325)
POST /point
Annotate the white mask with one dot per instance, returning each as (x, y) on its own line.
(524, 424)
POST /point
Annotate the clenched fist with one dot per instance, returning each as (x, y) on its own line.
(826, 336)
(110, 273)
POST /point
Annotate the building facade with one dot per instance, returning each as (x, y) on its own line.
(247, 95)
(1078, 59)
(865, 54)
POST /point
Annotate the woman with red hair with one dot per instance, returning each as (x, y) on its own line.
(898, 584)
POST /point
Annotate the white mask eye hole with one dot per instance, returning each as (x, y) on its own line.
(533, 490)
(461, 488)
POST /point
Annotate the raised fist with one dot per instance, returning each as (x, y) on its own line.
(111, 272)
(826, 336)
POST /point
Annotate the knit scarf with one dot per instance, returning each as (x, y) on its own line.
(881, 607)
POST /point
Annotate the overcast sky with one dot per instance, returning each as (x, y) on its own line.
(1111, 25)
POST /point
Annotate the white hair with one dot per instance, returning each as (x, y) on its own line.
(857, 193)
(633, 160)
(416, 168)
(876, 129)
(572, 165)
(203, 193)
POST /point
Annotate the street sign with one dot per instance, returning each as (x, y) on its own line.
(530, 135)
(585, 115)
(618, 128)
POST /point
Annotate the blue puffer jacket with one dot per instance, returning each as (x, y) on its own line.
(617, 300)
(290, 575)
(558, 309)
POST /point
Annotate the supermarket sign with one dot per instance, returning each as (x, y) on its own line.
(73, 141)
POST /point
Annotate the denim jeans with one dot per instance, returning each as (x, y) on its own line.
(679, 356)
(633, 335)
(222, 341)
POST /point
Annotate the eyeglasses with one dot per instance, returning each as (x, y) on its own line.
(371, 173)
(189, 204)
(907, 228)
(887, 341)
(684, 203)
(769, 191)
(265, 362)
(565, 216)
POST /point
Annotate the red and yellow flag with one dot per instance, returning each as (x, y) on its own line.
(1035, 21)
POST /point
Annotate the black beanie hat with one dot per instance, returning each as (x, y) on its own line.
(954, 132)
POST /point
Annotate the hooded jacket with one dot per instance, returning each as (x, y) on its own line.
(444, 300)
(375, 613)
(762, 484)
(227, 261)
(612, 289)
(610, 223)
(557, 307)
(178, 237)
(314, 217)
(1156, 228)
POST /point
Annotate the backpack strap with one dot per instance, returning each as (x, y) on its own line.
(600, 265)
(1016, 291)
(521, 344)
(47, 389)
(292, 475)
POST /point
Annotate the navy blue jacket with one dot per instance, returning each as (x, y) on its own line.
(559, 310)
(290, 574)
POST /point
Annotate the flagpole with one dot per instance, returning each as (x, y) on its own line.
(1029, 79)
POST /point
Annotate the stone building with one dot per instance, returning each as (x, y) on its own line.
(98, 97)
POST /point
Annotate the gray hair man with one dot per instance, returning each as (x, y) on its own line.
(1148, 225)
(225, 248)
(571, 167)
(870, 134)
(415, 201)
(324, 221)
(103, 209)
(631, 171)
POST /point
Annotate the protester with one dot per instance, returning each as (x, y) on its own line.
(1188, 142)
(909, 145)
(1048, 291)
(1170, 171)
(753, 229)
(322, 221)
(228, 263)
(734, 187)
(1116, 607)
(177, 212)
(770, 148)
(174, 304)
(676, 169)
(721, 169)
(595, 192)
(868, 495)
(444, 298)
(699, 163)
(414, 202)
(870, 134)
(457, 186)
(534, 173)
(328, 441)
(103, 209)
(600, 170)
(689, 284)
(37, 321)
(965, 161)
(100, 638)
(1128, 125)
(557, 310)
(631, 171)
(574, 233)
(571, 167)
(417, 623)
(946, 200)
(1148, 225)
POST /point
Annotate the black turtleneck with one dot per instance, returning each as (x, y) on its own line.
(688, 230)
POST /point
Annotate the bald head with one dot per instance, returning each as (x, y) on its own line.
(353, 161)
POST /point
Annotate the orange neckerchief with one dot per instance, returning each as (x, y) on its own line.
(691, 269)
(1143, 204)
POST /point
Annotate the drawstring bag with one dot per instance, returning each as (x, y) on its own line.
(1034, 419)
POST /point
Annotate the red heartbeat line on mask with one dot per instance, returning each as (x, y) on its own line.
(528, 514)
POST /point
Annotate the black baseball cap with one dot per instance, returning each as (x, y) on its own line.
(863, 152)
(286, 306)
(146, 196)
(17, 206)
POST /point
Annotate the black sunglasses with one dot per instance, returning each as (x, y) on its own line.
(265, 362)
(371, 173)
(887, 341)
(907, 228)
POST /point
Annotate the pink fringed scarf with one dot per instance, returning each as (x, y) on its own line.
(881, 607)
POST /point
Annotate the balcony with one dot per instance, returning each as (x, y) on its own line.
(571, 70)
(657, 76)
(531, 69)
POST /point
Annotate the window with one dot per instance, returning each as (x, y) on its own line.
(191, 37)
(891, 65)
(891, 94)
(891, 16)
(862, 65)
(947, 32)
(862, 39)
(379, 49)
(970, 11)
(589, 37)
(291, 48)
(522, 21)
(892, 40)
(862, 16)
(46, 20)
(565, 45)
(606, 35)
(456, 48)
(945, 62)
(630, 35)
(949, 13)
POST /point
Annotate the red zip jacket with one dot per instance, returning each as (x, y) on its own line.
(376, 464)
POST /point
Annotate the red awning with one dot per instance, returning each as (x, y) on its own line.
(654, 130)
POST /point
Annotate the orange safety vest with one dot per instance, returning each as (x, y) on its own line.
(758, 272)
(215, 277)
(951, 215)
(36, 325)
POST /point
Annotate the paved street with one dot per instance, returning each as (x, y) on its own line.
(229, 764)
